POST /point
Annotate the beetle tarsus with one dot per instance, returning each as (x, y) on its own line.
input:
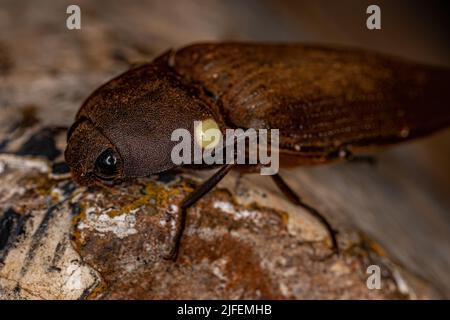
(360, 158)
(294, 198)
(172, 254)
(371, 160)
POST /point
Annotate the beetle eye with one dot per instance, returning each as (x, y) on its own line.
(107, 164)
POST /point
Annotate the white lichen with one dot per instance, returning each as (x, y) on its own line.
(74, 280)
(173, 208)
(229, 208)
(224, 206)
(122, 225)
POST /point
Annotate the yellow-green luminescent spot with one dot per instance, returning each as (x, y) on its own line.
(207, 133)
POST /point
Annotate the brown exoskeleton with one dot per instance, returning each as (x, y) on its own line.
(328, 103)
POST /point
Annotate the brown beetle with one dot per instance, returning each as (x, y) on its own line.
(328, 103)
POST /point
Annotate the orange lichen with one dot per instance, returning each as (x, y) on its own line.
(161, 195)
(76, 234)
(97, 290)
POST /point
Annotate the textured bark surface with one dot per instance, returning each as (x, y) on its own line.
(61, 241)
(244, 240)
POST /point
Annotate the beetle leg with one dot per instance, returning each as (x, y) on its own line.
(294, 198)
(190, 200)
(238, 183)
(371, 160)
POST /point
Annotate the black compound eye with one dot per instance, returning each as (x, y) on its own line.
(107, 164)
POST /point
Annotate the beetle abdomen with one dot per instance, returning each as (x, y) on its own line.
(320, 98)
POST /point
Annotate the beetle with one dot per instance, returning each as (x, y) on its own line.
(329, 103)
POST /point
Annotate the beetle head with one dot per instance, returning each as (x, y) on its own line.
(91, 156)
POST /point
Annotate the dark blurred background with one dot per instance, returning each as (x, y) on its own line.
(35, 43)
